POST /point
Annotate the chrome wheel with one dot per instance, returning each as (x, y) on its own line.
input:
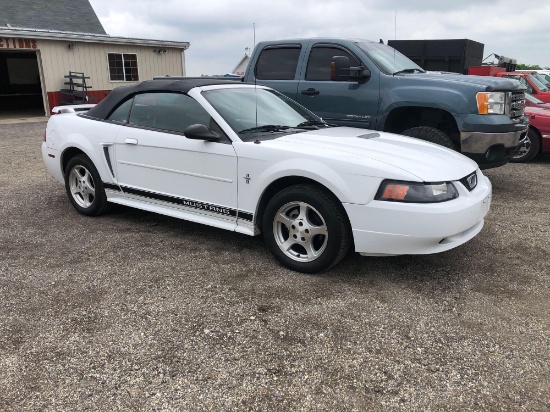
(524, 147)
(300, 231)
(529, 147)
(81, 186)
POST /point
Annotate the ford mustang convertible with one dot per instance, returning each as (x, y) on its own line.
(246, 158)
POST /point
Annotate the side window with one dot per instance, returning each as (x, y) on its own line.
(278, 63)
(120, 114)
(173, 112)
(318, 66)
(123, 67)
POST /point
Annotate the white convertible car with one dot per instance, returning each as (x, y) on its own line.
(246, 158)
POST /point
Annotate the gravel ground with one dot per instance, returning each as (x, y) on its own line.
(136, 311)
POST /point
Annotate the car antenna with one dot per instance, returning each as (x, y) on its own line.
(394, 38)
(257, 141)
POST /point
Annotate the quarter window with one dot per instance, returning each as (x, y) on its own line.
(278, 63)
(123, 67)
(318, 66)
(120, 114)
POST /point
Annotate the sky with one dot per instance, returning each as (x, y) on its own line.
(219, 31)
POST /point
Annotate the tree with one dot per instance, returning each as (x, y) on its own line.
(521, 66)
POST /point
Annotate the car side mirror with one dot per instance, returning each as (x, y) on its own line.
(340, 71)
(200, 132)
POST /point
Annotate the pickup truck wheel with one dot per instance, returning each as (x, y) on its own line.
(84, 186)
(430, 134)
(529, 147)
(306, 229)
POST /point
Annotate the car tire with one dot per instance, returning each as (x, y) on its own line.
(430, 134)
(306, 228)
(84, 186)
(529, 147)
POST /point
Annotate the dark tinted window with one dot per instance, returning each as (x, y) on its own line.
(278, 63)
(169, 111)
(120, 114)
(123, 67)
(318, 66)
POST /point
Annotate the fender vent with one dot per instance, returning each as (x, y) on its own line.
(108, 159)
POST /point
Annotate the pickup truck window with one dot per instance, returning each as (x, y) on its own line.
(318, 66)
(387, 59)
(278, 63)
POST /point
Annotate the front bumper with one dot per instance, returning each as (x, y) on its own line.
(392, 228)
(491, 149)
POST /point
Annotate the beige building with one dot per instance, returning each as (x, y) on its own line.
(41, 67)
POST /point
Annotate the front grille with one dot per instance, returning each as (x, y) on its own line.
(470, 181)
(515, 107)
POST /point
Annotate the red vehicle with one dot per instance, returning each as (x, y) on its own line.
(537, 139)
(534, 82)
(532, 101)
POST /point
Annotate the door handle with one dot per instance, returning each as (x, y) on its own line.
(130, 141)
(310, 92)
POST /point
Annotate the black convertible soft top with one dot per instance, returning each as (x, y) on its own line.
(107, 105)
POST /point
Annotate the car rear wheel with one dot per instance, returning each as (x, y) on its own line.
(84, 186)
(306, 228)
(430, 134)
(529, 147)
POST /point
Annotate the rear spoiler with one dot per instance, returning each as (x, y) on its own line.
(75, 108)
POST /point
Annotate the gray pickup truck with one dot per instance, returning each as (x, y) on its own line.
(370, 85)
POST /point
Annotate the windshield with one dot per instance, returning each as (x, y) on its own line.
(539, 85)
(275, 112)
(388, 59)
(533, 99)
(541, 79)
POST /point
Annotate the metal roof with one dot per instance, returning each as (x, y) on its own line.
(73, 20)
(87, 37)
(60, 15)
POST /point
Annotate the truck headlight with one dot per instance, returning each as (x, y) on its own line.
(491, 102)
(414, 192)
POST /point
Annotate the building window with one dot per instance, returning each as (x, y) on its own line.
(123, 67)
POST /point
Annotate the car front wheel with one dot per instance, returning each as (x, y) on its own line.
(84, 186)
(306, 228)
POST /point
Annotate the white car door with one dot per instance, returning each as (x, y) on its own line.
(156, 163)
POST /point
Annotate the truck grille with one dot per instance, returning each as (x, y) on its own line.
(516, 106)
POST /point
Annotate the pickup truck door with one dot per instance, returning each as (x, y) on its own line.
(156, 163)
(277, 67)
(346, 103)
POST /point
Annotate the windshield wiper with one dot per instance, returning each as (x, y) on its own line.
(312, 124)
(408, 71)
(265, 128)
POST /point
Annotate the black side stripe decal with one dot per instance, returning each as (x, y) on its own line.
(111, 186)
(222, 210)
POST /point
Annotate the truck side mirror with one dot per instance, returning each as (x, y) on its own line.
(340, 70)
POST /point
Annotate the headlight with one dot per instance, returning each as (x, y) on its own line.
(491, 102)
(413, 192)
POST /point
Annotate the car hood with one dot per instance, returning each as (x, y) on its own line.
(487, 83)
(427, 161)
(538, 111)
